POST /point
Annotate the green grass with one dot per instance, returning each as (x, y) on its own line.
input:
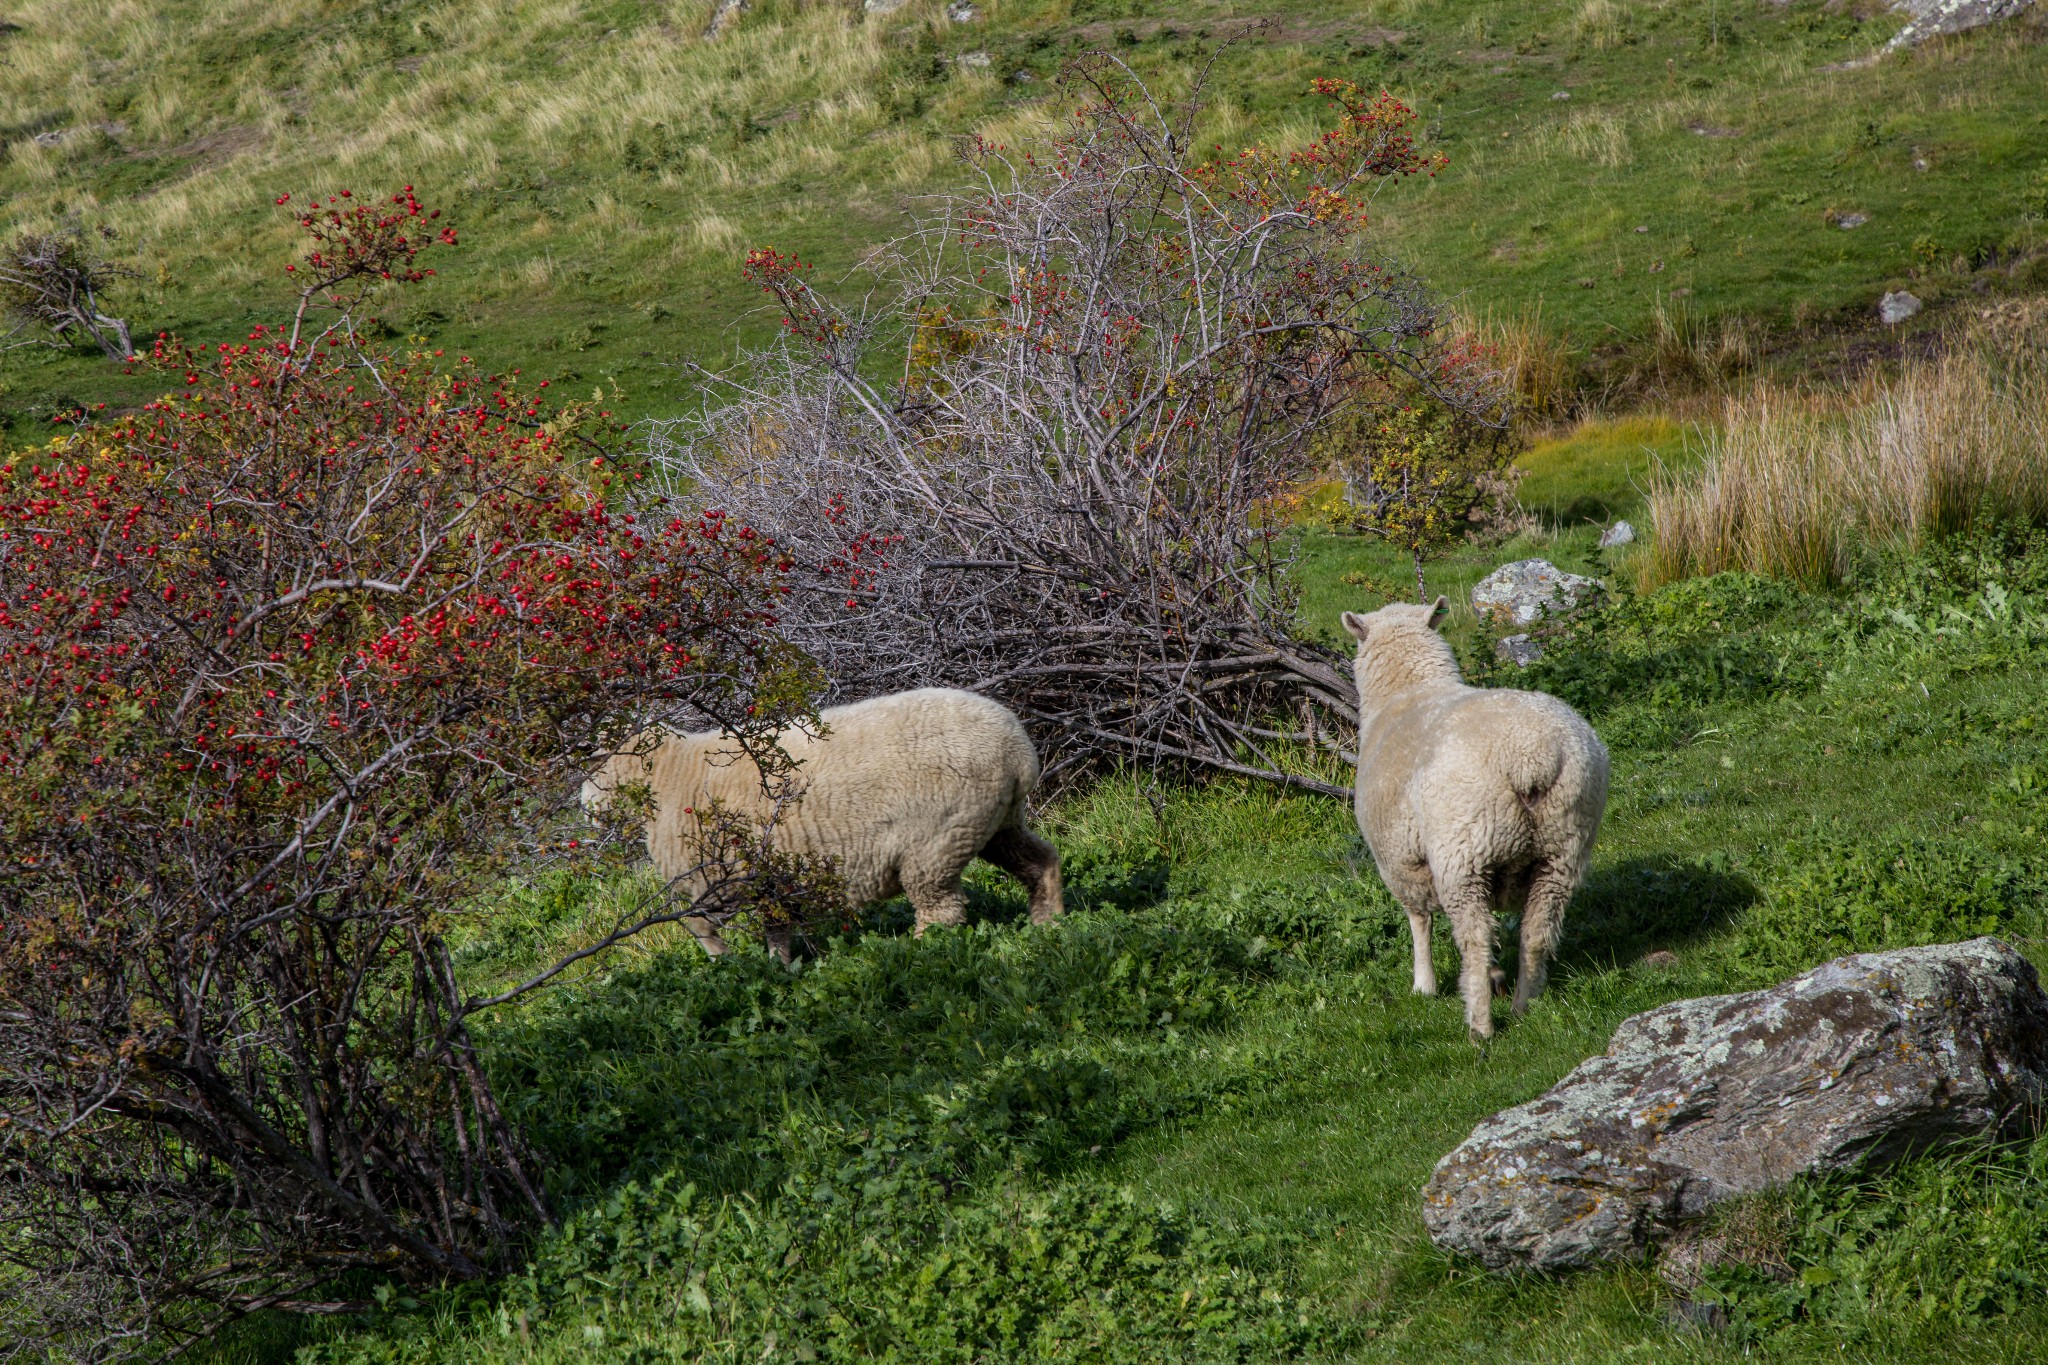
(1599, 470)
(1190, 1121)
(608, 164)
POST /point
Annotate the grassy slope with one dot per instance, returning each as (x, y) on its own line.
(609, 164)
(1222, 1030)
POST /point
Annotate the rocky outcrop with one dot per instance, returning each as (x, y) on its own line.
(1930, 17)
(1524, 592)
(1857, 1063)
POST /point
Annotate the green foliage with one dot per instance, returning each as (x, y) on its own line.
(1697, 641)
(1943, 1241)
(1840, 897)
(844, 1160)
(1188, 1122)
(1032, 1045)
(1419, 471)
(875, 1261)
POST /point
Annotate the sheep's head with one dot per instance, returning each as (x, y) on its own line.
(1399, 647)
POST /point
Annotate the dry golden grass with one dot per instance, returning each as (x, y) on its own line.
(1601, 25)
(1544, 371)
(1795, 484)
(494, 78)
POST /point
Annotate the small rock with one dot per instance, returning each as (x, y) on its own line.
(1895, 308)
(1681, 293)
(1662, 959)
(1524, 592)
(1851, 220)
(1643, 228)
(883, 6)
(960, 12)
(973, 59)
(1562, 95)
(1519, 650)
(1021, 78)
(1856, 1064)
(1621, 533)
(54, 138)
(726, 12)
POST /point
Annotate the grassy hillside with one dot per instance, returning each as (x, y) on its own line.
(1189, 1122)
(1631, 174)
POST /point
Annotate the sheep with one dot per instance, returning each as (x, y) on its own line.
(900, 792)
(1470, 798)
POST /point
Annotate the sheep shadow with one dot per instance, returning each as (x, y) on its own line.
(1649, 904)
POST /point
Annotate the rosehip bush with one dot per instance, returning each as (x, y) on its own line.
(291, 661)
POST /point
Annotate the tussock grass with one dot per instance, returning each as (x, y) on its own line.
(1798, 484)
(1545, 372)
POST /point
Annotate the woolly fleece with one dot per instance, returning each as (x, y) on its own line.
(900, 791)
(1471, 799)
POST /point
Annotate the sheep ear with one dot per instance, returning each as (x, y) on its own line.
(1356, 624)
(1437, 612)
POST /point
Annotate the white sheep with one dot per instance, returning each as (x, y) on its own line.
(900, 792)
(1470, 799)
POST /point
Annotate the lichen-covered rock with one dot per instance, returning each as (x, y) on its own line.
(1621, 533)
(1519, 650)
(1930, 17)
(1895, 308)
(1524, 592)
(1858, 1062)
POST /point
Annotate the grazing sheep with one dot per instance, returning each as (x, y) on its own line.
(1470, 798)
(899, 791)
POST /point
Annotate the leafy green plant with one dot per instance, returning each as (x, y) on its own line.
(1944, 1240)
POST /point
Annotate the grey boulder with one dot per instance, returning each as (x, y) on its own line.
(1855, 1064)
(1621, 533)
(1930, 17)
(1895, 308)
(1524, 592)
(1519, 650)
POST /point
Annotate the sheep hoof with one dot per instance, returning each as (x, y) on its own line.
(1500, 982)
(1482, 1041)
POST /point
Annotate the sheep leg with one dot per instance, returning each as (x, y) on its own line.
(933, 886)
(1550, 890)
(707, 935)
(1470, 910)
(1417, 897)
(1032, 861)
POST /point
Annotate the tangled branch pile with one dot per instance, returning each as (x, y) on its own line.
(288, 663)
(54, 282)
(1102, 365)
